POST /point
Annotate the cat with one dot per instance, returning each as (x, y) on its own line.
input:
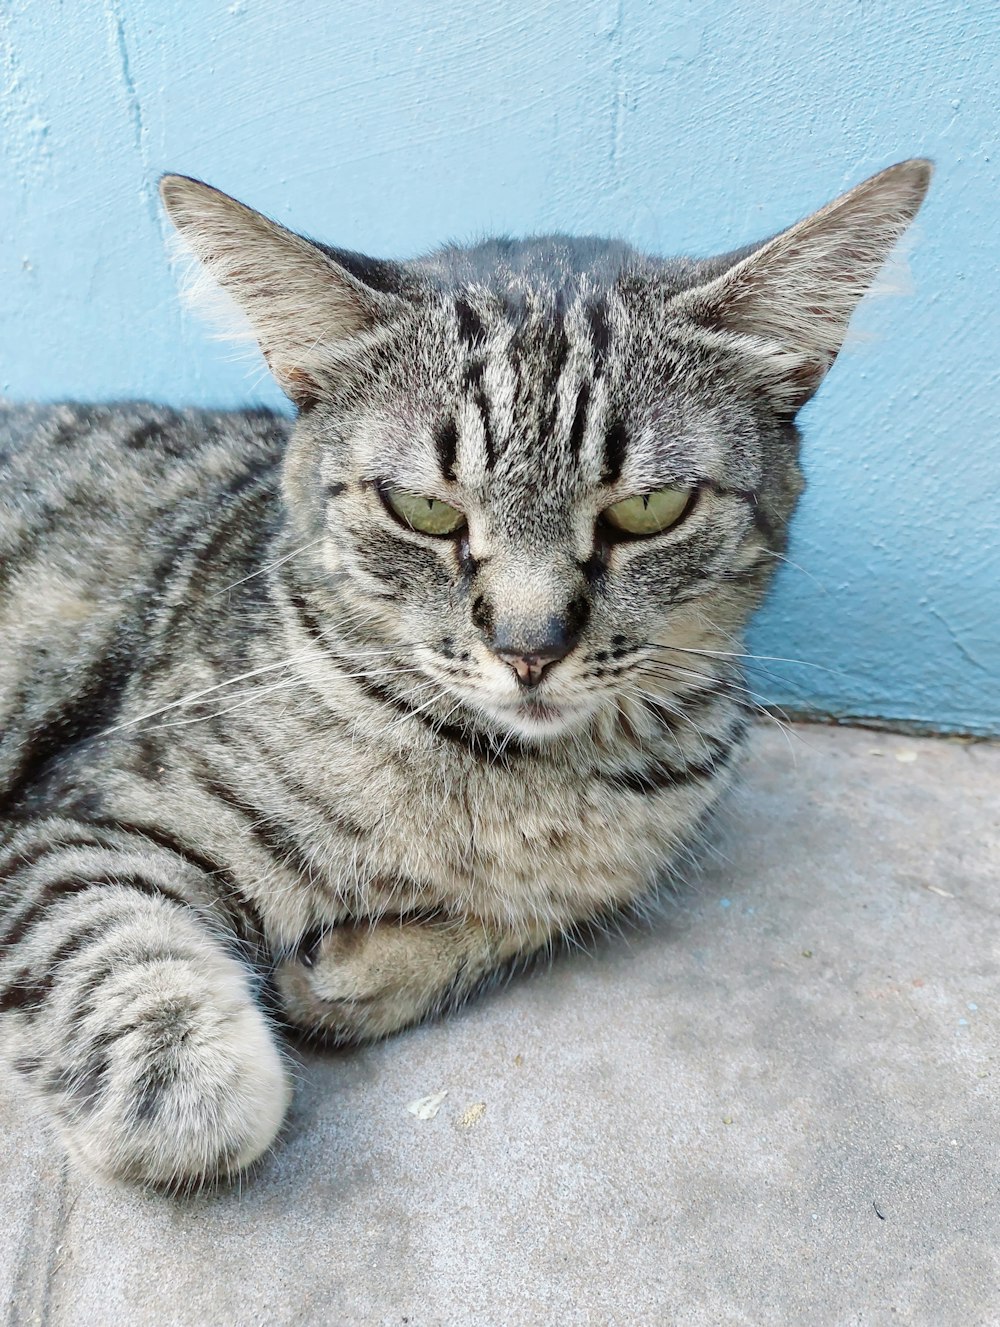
(317, 725)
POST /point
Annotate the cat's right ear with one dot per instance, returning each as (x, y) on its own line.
(787, 303)
(303, 307)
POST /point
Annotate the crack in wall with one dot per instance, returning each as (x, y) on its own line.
(956, 639)
(133, 107)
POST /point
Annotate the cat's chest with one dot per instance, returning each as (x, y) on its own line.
(515, 840)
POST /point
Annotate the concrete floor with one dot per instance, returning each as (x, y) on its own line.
(778, 1105)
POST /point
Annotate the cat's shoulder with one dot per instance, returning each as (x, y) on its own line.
(125, 457)
(134, 432)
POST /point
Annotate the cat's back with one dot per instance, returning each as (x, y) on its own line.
(87, 491)
(98, 505)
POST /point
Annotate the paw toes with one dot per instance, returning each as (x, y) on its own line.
(189, 1112)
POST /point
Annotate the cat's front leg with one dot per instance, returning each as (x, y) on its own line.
(128, 1018)
(362, 981)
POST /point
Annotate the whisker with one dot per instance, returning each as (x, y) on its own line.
(782, 557)
(270, 567)
(663, 668)
(255, 693)
(192, 696)
(752, 699)
(748, 657)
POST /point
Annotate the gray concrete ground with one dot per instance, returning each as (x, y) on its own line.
(778, 1105)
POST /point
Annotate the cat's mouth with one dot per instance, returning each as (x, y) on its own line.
(533, 717)
(525, 712)
(540, 710)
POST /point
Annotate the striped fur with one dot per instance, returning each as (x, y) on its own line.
(259, 761)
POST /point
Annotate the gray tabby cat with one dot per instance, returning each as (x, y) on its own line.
(321, 724)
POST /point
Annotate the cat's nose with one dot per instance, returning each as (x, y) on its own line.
(531, 661)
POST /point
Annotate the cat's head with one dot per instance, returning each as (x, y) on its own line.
(549, 473)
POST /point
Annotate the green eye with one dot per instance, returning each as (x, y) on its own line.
(427, 515)
(649, 513)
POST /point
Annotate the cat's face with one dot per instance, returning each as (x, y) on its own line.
(549, 476)
(546, 500)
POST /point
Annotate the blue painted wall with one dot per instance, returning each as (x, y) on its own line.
(686, 125)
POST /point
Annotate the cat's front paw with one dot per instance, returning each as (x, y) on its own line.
(190, 1089)
(363, 981)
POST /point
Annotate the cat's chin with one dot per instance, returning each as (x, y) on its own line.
(538, 720)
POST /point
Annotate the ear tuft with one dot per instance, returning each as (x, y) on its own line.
(788, 304)
(303, 306)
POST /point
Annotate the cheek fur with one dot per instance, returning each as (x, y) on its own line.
(410, 571)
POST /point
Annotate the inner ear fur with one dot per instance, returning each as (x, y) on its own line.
(303, 307)
(788, 303)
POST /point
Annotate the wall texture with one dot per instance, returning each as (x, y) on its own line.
(686, 125)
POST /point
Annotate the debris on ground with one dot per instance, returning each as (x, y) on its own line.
(472, 1116)
(425, 1108)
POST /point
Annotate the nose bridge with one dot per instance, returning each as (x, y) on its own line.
(529, 598)
(530, 612)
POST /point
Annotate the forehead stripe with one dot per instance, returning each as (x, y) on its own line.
(472, 374)
(615, 445)
(600, 333)
(559, 352)
(489, 441)
(470, 325)
(579, 427)
(446, 441)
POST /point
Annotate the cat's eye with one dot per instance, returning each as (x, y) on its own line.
(649, 513)
(425, 515)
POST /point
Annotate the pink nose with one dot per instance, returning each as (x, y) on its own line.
(530, 667)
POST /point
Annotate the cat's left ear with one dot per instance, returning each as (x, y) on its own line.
(788, 304)
(303, 306)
